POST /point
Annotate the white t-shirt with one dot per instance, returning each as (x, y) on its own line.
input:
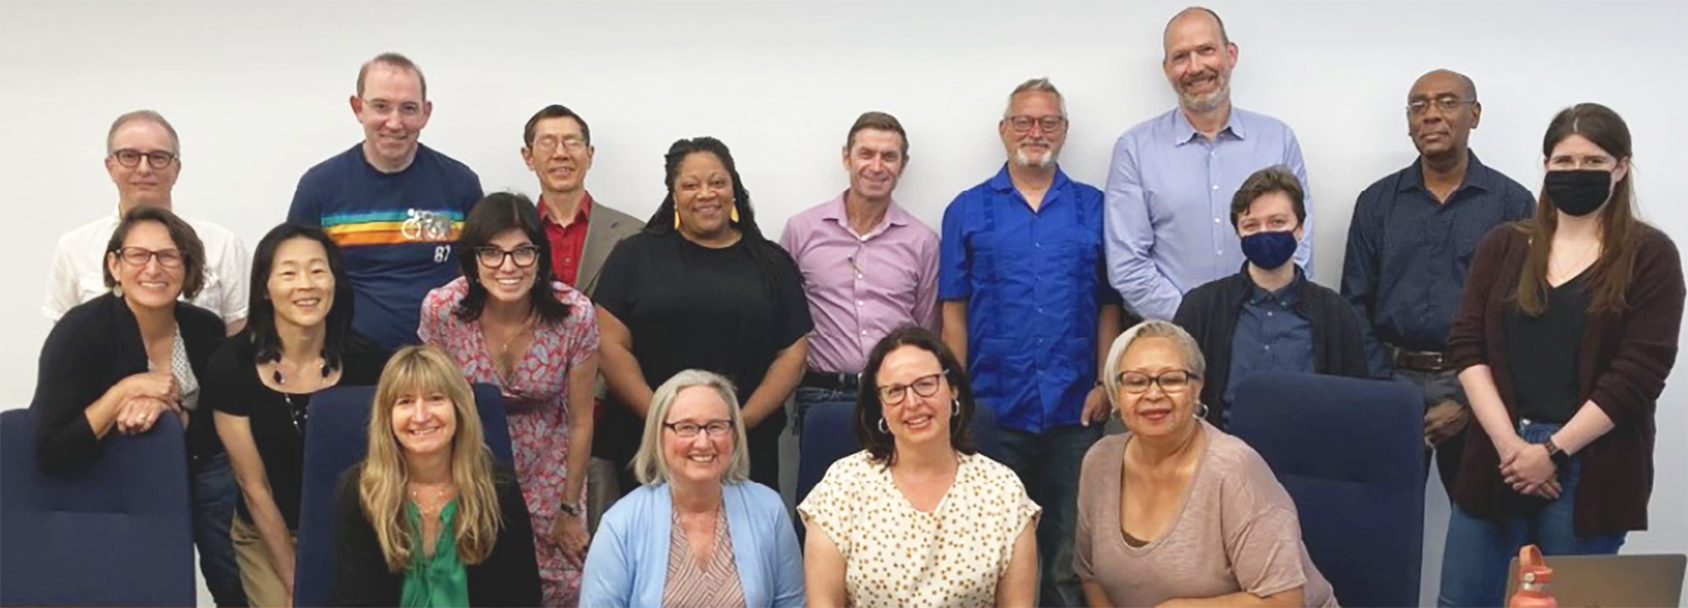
(78, 273)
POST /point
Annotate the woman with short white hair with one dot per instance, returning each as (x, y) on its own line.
(698, 532)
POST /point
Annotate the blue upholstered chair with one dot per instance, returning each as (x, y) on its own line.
(335, 441)
(116, 532)
(1351, 454)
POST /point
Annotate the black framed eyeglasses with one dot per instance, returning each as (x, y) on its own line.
(925, 386)
(493, 257)
(139, 256)
(1176, 381)
(159, 159)
(688, 429)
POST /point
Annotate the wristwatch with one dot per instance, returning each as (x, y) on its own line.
(568, 509)
(1559, 457)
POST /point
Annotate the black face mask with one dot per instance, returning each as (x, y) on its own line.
(1579, 192)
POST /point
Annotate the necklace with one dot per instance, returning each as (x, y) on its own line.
(1582, 259)
(440, 492)
(501, 363)
(294, 413)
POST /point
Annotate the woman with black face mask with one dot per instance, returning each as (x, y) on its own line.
(1564, 338)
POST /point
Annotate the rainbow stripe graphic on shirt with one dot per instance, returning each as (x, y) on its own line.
(393, 226)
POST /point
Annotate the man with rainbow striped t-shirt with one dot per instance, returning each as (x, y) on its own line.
(393, 205)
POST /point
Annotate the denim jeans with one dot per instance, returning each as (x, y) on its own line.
(808, 397)
(1048, 464)
(1438, 387)
(214, 497)
(1474, 564)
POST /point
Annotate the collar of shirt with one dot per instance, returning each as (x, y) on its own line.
(1001, 182)
(582, 213)
(1183, 132)
(1477, 175)
(836, 211)
(1285, 296)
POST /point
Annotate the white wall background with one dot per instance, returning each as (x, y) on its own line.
(258, 92)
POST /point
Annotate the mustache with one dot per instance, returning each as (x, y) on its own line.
(1192, 78)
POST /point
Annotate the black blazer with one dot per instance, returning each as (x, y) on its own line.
(93, 347)
(1209, 313)
(508, 577)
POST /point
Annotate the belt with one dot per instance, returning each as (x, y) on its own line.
(832, 381)
(1422, 361)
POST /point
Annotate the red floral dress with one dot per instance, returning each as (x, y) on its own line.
(536, 405)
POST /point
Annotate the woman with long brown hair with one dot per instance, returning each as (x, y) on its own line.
(1566, 333)
(427, 519)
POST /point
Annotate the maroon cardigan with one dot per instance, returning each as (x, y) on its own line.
(1621, 365)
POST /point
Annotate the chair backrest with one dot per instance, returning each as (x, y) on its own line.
(335, 441)
(116, 532)
(1351, 454)
(829, 434)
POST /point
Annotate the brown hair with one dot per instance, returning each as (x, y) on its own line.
(881, 446)
(183, 235)
(396, 61)
(1618, 225)
(145, 116)
(1267, 181)
(878, 121)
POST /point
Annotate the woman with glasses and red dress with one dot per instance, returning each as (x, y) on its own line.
(509, 322)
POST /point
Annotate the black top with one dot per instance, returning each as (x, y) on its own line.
(232, 386)
(1544, 354)
(508, 577)
(692, 307)
(1408, 253)
(1342, 344)
(92, 348)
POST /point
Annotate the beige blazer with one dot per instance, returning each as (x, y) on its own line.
(604, 228)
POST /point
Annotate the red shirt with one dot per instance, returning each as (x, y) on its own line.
(567, 242)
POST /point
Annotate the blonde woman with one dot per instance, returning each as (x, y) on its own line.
(426, 519)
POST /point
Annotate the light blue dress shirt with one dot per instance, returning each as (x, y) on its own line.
(1168, 217)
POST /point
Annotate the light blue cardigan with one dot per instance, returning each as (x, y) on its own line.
(627, 564)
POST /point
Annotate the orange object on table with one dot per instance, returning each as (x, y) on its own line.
(1535, 581)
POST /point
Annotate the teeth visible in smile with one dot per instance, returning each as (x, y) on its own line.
(702, 458)
(307, 302)
(152, 284)
(509, 281)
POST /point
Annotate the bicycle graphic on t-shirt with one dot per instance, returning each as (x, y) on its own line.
(426, 226)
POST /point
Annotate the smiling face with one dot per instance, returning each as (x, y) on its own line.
(509, 282)
(142, 184)
(704, 457)
(1036, 146)
(301, 284)
(393, 113)
(1156, 412)
(1198, 61)
(875, 162)
(917, 418)
(424, 421)
(703, 195)
(152, 284)
(559, 155)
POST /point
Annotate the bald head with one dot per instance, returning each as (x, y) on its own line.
(1201, 15)
(1467, 89)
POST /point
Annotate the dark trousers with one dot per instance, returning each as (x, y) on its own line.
(1048, 464)
(214, 497)
(1438, 387)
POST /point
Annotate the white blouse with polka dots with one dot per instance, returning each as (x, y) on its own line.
(895, 555)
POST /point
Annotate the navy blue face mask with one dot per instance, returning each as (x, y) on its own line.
(1269, 250)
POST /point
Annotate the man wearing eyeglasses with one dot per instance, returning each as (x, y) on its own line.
(1172, 176)
(1269, 316)
(393, 205)
(1411, 241)
(1026, 305)
(143, 157)
(869, 266)
(557, 147)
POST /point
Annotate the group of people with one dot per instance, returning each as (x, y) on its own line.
(645, 365)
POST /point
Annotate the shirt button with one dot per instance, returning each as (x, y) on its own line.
(1268, 313)
(1216, 186)
(1039, 245)
(1215, 220)
(864, 332)
(858, 302)
(1268, 347)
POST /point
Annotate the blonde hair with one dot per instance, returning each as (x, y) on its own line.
(650, 465)
(382, 482)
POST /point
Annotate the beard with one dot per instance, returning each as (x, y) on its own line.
(1202, 103)
(1023, 159)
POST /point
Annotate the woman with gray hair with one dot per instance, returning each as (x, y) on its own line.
(698, 532)
(1175, 511)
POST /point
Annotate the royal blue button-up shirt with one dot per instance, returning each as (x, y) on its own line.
(1034, 283)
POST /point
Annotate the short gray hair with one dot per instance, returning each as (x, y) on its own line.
(650, 466)
(149, 116)
(1035, 85)
(1152, 328)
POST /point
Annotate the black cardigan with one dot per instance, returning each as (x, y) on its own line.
(1209, 313)
(508, 577)
(93, 347)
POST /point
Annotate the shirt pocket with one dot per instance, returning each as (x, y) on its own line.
(210, 296)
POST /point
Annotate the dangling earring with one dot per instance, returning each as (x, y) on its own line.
(955, 409)
(676, 219)
(882, 428)
(1202, 413)
(117, 290)
(734, 214)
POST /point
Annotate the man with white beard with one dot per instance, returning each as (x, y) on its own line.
(1027, 308)
(1170, 184)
